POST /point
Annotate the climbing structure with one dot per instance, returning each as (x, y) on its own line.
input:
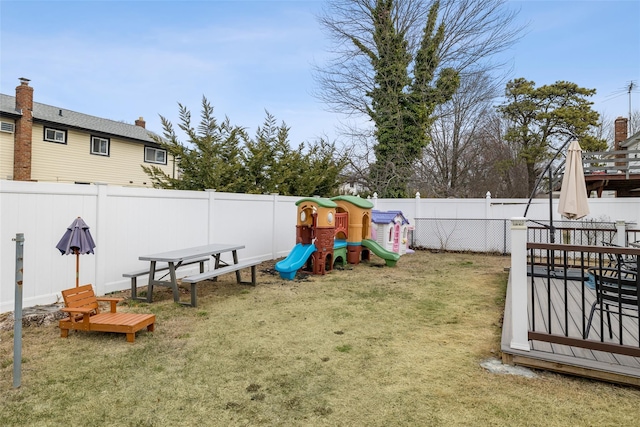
(316, 225)
(330, 230)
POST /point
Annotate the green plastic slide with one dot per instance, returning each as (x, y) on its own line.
(389, 257)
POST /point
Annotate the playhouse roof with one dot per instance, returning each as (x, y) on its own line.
(355, 200)
(380, 217)
(324, 203)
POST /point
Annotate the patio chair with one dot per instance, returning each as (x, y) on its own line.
(84, 315)
(616, 292)
(626, 263)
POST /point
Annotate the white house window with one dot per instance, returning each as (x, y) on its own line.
(55, 135)
(7, 127)
(99, 146)
(155, 155)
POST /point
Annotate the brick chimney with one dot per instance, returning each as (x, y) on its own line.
(620, 129)
(23, 132)
(620, 132)
(140, 122)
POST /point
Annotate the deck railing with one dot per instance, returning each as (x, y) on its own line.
(561, 292)
(551, 321)
(609, 162)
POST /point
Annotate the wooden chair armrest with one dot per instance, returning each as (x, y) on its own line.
(74, 314)
(112, 301)
(77, 310)
(109, 299)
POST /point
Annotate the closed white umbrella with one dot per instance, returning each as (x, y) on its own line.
(573, 202)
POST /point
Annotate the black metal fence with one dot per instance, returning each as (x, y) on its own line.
(584, 296)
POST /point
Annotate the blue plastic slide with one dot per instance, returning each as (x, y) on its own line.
(295, 260)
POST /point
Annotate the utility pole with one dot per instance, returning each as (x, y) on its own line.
(632, 85)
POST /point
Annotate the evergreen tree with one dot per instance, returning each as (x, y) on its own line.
(210, 159)
(542, 118)
(272, 166)
(224, 158)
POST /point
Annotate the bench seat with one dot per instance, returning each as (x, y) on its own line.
(212, 274)
(159, 267)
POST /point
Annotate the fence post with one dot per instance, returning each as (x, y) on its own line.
(416, 215)
(102, 230)
(487, 214)
(17, 313)
(375, 200)
(274, 226)
(487, 205)
(210, 217)
(621, 231)
(518, 275)
(504, 237)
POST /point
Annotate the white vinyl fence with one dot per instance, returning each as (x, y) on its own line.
(125, 224)
(129, 222)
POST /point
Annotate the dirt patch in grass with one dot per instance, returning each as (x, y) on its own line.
(366, 345)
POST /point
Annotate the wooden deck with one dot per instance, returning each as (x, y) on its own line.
(617, 368)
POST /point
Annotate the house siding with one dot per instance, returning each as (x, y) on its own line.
(6, 152)
(73, 161)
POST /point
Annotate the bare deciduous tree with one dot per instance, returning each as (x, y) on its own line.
(474, 31)
(452, 158)
(605, 129)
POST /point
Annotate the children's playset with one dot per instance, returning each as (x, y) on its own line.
(338, 230)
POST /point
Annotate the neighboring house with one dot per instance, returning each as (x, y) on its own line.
(40, 142)
(632, 143)
(351, 186)
(615, 173)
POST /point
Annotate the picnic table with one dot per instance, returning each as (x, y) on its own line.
(180, 257)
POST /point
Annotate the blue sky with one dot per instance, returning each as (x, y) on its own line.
(125, 59)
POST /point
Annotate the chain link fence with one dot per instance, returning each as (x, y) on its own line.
(494, 235)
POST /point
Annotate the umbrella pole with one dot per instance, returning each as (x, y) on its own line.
(77, 268)
(552, 230)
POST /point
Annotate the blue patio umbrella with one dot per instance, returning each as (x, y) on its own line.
(76, 240)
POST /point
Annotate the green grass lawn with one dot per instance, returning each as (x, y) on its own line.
(365, 346)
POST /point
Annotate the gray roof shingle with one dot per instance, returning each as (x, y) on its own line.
(72, 119)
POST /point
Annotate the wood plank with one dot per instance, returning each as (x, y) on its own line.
(543, 321)
(125, 319)
(564, 298)
(575, 318)
(576, 370)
